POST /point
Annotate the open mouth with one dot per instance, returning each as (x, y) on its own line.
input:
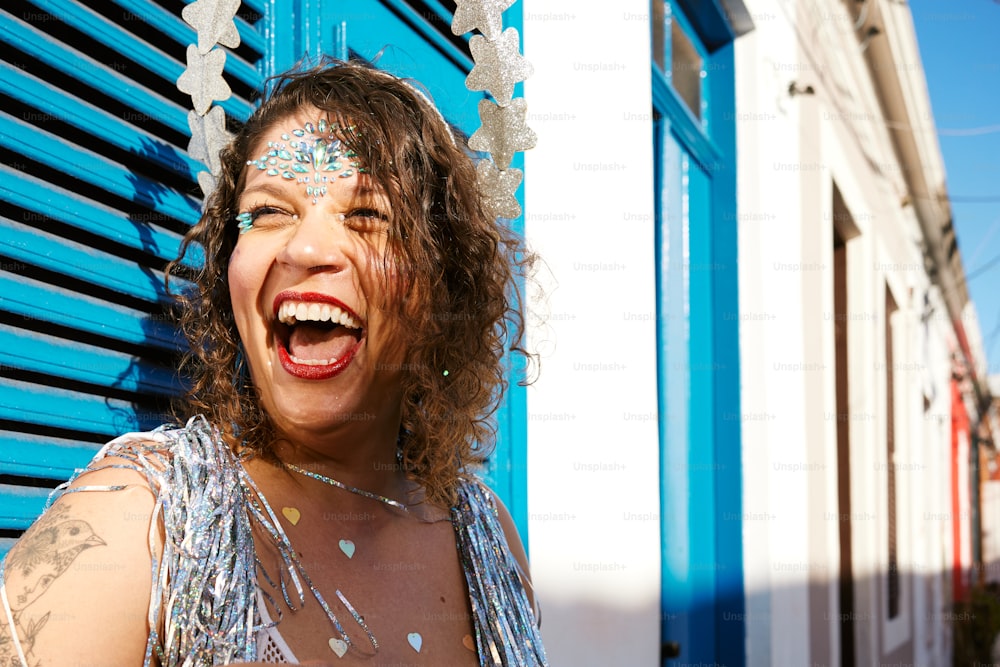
(317, 335)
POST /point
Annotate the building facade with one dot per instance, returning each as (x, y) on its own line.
(849, 336)
(852, 289)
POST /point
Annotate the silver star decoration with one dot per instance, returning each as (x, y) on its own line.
(499, 65)
(481, 14)
(208, 137)
(206, 182)
(213, 21)
(202, 79)
(498, 188)
(503, 131)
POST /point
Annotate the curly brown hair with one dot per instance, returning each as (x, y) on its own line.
(460, 265)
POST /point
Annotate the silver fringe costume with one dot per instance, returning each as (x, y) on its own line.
(203, 602)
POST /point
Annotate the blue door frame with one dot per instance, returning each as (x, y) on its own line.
(698, 356)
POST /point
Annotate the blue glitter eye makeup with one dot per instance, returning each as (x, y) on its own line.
(245, 222)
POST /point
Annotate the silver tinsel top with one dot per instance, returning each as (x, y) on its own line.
(204, 592)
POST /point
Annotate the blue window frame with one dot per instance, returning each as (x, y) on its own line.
(685, 64)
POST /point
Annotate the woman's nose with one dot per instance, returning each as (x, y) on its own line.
(318, 242)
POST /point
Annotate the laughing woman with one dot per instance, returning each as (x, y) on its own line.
(346, 332)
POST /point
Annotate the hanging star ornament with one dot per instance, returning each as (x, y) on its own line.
(213, 21)
(498, 68)
(498, 189)
(499, 65)
(202, 79)
(208, 137)
(503, 131)
(206, 182)
(484, 15)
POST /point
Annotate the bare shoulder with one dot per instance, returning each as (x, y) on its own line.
(77, 582)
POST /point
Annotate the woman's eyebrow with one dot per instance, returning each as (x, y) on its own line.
(265, 188)
(367, 189)
(369, 197)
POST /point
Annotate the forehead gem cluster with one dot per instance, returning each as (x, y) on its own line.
(310, 155)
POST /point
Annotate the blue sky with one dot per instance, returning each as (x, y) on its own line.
(960, 49)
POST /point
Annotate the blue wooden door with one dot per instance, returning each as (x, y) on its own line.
(702, 594)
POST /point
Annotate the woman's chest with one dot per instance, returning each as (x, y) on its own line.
(397, 592)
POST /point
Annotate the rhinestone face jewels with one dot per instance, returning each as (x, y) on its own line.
(311, 156)
(245, 222)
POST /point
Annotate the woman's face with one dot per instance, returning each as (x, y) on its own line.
(307, 285)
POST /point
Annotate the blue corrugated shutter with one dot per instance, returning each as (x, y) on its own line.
(97, 191)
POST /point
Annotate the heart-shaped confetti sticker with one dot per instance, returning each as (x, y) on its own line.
(347, 547)
(469, 643)
(416, 641)
(292, 514)
(338, 646)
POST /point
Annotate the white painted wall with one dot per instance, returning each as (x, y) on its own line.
(592, 431)
(775, 475)
(991, 536)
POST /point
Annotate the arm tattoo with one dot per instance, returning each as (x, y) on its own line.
(41, 556)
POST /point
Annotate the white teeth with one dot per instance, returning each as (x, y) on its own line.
(290, 312)
(312, 362)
